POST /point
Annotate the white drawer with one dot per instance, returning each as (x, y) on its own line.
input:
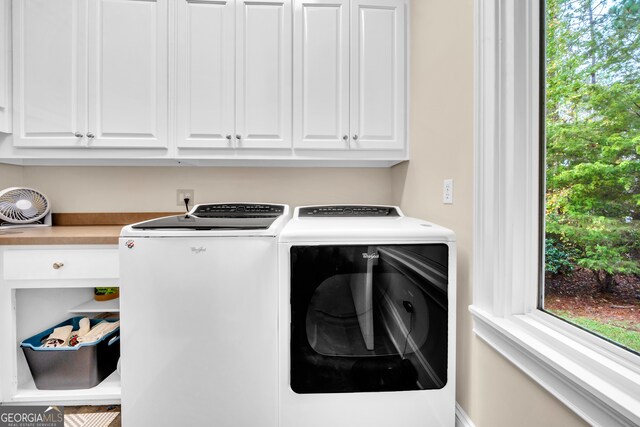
(54, 264)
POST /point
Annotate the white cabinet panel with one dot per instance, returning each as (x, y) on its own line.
(5, 66)
(378, 55)
(63, 264)
(205, 65)
(50, 81)
(90, 73)
(263, 73)
(248, 81)
(36, 294)
(321, 77)
(127, 73)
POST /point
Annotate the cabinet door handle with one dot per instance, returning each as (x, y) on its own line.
(228, 137)
(355, 137)
(346, 137)
(78, 135)
(58, 265)
(238, 137)
(90, 135)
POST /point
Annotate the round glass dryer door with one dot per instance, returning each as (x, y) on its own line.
(368, 318)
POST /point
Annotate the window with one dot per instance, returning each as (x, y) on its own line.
(592, 122)
(598, 380)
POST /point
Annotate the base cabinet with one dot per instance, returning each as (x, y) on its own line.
(43, 297)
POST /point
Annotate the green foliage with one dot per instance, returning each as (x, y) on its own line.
(556, 258)
(598, 243)
(593, 133)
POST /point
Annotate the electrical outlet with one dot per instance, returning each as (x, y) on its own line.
(447, 192)
(182, 194)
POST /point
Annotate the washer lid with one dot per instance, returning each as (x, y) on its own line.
(380, 224)
(218, 216)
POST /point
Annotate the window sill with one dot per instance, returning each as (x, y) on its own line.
(597, 380)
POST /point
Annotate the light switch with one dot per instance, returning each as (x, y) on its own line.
(447, 192)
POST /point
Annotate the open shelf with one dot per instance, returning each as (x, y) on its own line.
(37, 309)
(107, 392)
(93, 306)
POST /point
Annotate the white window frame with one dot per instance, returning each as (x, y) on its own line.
(598, 380)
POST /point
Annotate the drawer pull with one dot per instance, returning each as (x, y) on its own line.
(57, 265)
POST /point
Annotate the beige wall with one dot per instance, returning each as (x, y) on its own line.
(10, 176)
(153, 189)
(492, 391)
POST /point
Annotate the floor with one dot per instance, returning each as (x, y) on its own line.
(93, 409)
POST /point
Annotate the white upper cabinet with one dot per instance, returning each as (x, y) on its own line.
(205, 74)
(378, 75)
(49, 58)
(5, 66)
(234, 74)
(321, 74)
(127, 73)
(263, 74)
(349, 74)
(90, 73)
(224, 82)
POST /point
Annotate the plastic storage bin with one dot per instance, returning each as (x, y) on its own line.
(67, 368)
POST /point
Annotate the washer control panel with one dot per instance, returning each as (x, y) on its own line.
(214, 210)
(348, 211)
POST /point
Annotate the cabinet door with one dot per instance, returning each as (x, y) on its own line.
(263, 74)
(321, 74)
(49, 73)
(206, 68)
(127, 73)
(5, 66)
(378, 81)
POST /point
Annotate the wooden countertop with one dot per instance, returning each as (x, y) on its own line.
(77, 229)
(62, 235)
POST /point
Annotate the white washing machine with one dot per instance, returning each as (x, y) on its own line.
(199, 298)
(367, 319)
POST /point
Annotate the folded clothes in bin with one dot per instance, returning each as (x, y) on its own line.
(82, 366)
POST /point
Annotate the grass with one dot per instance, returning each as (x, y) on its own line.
(624, 333)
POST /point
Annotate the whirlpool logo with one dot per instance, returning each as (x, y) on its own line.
(366, 255)
(198, 250)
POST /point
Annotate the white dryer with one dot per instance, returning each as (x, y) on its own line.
(367, 319)
(199, 298)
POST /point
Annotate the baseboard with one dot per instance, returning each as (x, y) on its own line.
(462, 419)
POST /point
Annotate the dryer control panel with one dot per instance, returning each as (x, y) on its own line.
(348, 211)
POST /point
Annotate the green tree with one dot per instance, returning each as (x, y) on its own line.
(593, 133)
